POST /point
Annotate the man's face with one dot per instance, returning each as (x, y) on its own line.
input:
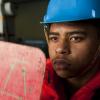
(72, 47)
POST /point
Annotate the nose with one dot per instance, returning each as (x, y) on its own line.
(63, 49)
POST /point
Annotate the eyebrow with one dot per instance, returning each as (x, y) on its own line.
(70, 33)
(77, 32)
(53, 33)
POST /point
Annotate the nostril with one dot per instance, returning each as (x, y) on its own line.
(62, 51)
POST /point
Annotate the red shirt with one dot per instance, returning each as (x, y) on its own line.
(54, 87)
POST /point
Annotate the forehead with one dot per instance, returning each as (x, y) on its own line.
(72, 24)
(69, 26)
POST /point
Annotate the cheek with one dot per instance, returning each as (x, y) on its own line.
(52, 50)
(84, 52)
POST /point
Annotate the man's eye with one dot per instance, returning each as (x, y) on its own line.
(53, 38)
(76, 38)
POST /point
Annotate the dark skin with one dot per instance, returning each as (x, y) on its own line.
(72, 48)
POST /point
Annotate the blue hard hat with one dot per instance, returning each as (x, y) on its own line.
(72, 10)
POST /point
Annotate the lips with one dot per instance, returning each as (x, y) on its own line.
(61, 64)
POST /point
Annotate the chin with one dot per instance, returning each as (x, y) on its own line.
(63, 74)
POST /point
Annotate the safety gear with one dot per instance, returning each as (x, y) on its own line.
(72, 10)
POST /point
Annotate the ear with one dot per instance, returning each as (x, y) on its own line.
(46, 35)
(99, 47)
(98, 51)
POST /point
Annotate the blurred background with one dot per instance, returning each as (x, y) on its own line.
(20, 22)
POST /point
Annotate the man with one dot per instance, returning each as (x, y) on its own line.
(72, 30)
